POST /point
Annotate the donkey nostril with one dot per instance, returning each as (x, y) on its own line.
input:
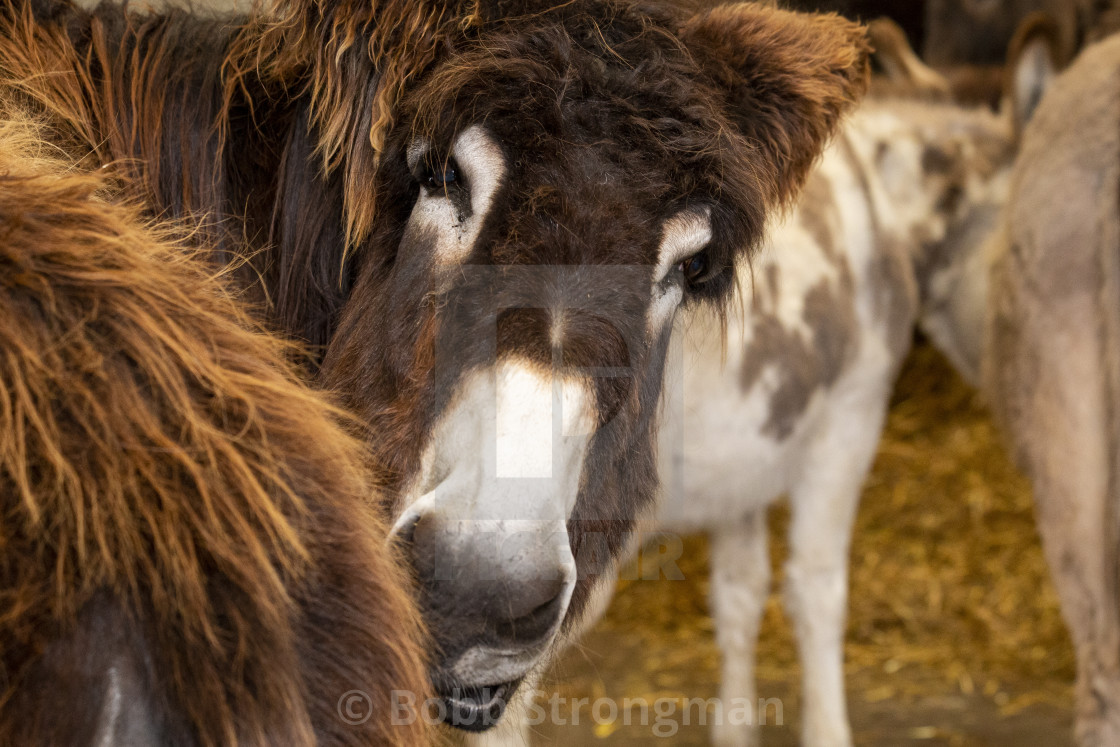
(548, 609)
(538, 623)
(404, 528)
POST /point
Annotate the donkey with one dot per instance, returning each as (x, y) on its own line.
(979, 33)
(1031, 310)
(1039, 308)
(486, 213)
(798, 400)
(790, 397)
(188, 553)
(1050, 359)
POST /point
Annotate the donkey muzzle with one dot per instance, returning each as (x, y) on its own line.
(494, 594)
(486, 530)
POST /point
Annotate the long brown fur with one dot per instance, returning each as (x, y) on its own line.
(173, 504)
(783, 126)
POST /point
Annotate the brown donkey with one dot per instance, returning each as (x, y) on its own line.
(486, 213)
(188, 555)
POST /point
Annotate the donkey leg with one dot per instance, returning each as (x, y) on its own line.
(1082, 566)
(823, 505)
(1075, 512)
(740, 584)
(1048, 372)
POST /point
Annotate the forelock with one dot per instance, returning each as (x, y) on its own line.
(625, 86)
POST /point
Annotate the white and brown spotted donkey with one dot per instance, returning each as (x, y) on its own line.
(791, 399)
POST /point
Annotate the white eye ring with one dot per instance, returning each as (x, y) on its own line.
(683, 236)
(452, 225)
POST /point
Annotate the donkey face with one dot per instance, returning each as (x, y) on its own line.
(551, 190)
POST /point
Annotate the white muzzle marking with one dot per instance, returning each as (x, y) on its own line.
(503, 466)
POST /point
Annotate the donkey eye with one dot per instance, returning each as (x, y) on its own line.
(441, 176)
(696, 269)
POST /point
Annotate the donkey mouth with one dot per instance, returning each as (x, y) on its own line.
(477, 708)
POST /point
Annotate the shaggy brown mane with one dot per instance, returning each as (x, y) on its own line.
(402, 36)
(157, 452)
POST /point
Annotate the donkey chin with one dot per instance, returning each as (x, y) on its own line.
(478, 683)
(485, 529)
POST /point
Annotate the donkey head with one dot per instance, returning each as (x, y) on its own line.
(531, 194)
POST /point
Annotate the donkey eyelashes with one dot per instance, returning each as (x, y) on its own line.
(439, 174)
(444, 176)
(441, 178)
(697, 270)
(436, 170)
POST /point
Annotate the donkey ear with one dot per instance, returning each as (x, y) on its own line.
(901, 64)
(788, 79)
(1033, 60)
